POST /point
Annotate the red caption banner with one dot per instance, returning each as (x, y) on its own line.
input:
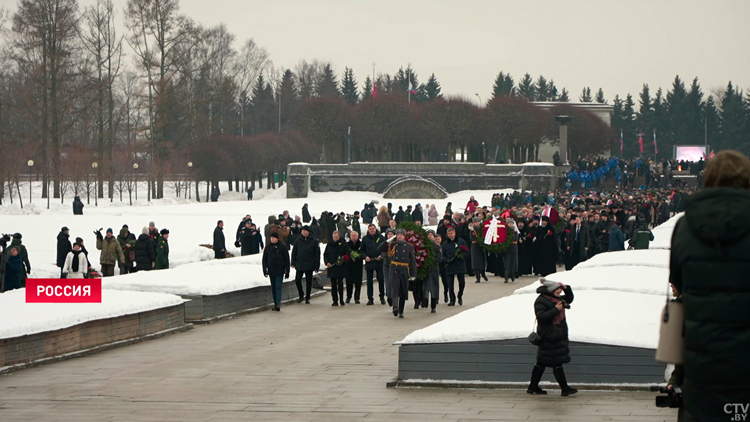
(64, 290)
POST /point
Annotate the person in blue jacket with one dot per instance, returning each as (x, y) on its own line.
(616, 238)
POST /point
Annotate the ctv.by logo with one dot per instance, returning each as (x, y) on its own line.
(739, 411)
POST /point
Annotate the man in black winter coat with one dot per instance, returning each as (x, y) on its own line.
(77, 206)
(145, 253)
(250, 239)
(709, 266)
(242, 225)
(305, 260)
(577, 243)
(219, 246)
(305, 214)
(276, 266)
(63, 248)
(373, 263)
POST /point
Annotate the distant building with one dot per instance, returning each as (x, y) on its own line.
(603, 111)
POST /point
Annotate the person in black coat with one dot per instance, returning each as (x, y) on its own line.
(63, 248)
(525, 243)
(354, 268)
(77, 206)
(334, 260)
(242, 225)
(315, 230)
(250, 239)
(546, 250)
(276, 266)
(577, 243)
(305, 214)
(709, 267)
(373, 263)
(219, 245)
(145, 252)
(13, 270)
(305, 260)
(552, 328)
(454, 251)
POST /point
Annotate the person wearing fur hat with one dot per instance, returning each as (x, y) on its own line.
(403, 268)
(76, 263)
(510, 256)
(111, 253)
(153, 233)
(127, 244)
(552, 328)
(374, 263)
(162, 251)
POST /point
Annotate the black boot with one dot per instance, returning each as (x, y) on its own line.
(424, 302)
(417, 302)
(484, 276)
(478, 276)
(433, 305)
(445, 297)
(560, 377)
(536, 376)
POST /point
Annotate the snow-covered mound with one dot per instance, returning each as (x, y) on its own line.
(197, 279)
(645, 258)
(602, 317)
(630, 279)
(663, 233)
(20, 318)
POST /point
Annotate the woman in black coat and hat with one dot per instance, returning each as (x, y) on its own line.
(552, 328)
(545, 244)
(145, 252)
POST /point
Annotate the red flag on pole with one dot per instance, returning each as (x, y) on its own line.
(640, 142)
(374, 90)
(711, 155)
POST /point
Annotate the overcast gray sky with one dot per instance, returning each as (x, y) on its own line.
(616, 45)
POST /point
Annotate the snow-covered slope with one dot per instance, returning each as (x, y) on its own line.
(20, 318)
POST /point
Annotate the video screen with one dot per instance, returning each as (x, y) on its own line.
(689, 153)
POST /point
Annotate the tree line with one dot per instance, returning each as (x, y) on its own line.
(168, 92)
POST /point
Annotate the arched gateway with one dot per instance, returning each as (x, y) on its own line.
(414, 187)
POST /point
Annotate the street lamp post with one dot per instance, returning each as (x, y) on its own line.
(190, 166)
(563, 120)
(94, 166)
(480, 100)
(135, 168)
(30, 163)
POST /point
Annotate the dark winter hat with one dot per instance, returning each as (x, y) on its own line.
(536, 218)
(276, 235)
(163, 232)
(64, 229)
(17, 236)
(248, 222)
(389, 230)
(545, 218)
(125, 226)
(306, 228)
(79, 240)
(605, 214)
(400, 231)
(430, 231)
(151, 223)
(549, 284)
(109, 230)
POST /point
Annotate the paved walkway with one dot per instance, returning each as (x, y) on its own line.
(306, 363)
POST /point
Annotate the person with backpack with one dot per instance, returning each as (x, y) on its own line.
(642, 235)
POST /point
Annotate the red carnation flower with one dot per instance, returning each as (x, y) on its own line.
(464, 248)
(347, 257)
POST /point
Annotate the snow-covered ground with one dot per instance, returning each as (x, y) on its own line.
(632, 279)
(663, 233)
(603, 317)
(190, 223)
(646, 257)
(195, 279)
(20, 318)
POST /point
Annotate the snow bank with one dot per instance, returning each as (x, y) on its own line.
(603, 317)
(198, 279)
(645, 258)
(20, 318)
(663, 233)
(630, 279)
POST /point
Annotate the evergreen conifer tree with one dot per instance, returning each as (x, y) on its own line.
(327, 85)
(564, 96)
(585, 95)
(526, 88)
(554, 95)
(733, 119)
(349, 87)
(542, 89)
(287, 95)
(503, 87)
(600, 97)
(367, 89)
(432, 89)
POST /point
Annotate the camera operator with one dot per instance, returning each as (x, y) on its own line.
(552, 328)
(709, 263)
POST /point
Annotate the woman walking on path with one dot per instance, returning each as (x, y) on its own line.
(552, 328)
